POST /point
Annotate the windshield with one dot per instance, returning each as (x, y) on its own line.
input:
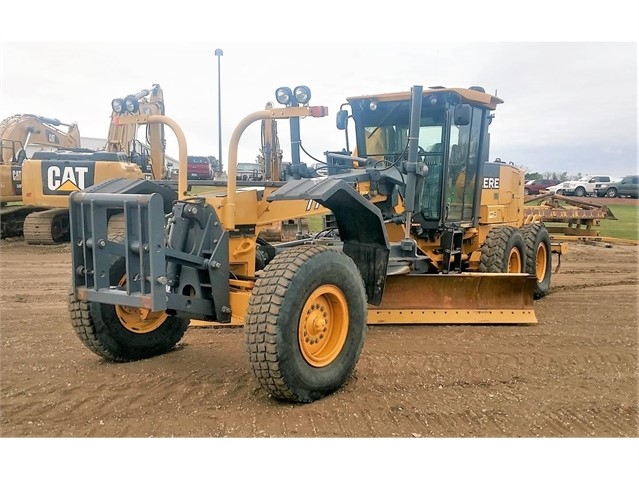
(198, 160)
(447, 154)
(388, 142)
(248, 167)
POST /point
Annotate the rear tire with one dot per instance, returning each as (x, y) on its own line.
(503, 252)
(580, 191)
(538, 256)
(124, 334)
(306, 323)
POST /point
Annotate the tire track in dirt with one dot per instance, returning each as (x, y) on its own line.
(574, 374)
(592, 285)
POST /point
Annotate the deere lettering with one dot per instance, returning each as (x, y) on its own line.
(67, 176)
(491, 184)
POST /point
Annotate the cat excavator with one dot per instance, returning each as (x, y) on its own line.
(47, 177)
(427, 230)
(20, 136)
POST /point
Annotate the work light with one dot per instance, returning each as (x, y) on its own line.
(117, 104)
(283, 95)
(302, 94)
(131, 104)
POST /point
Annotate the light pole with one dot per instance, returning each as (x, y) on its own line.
(218, 54)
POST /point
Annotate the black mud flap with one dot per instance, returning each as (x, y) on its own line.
(360, 225)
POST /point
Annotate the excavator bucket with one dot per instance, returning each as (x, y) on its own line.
(467, 298)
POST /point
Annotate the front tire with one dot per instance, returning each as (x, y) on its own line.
(580, 191)
(503, 251)
(120, 333)
(612, 193)
(538, 256)
(306, 323)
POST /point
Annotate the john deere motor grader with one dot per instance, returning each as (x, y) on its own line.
(428, 232)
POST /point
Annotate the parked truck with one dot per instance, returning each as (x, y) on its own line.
(585, 186)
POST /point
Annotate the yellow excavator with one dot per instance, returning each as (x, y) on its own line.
(20, 136)
(426, 230)
(49, 176)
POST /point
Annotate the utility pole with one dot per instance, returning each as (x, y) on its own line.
(218, 54)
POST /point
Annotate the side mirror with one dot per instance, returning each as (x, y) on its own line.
(341, 120)
(462, 115)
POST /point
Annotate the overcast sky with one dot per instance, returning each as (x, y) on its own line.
(569, 106)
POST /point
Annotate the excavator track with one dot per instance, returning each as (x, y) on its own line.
(13, 219)
(47, 227)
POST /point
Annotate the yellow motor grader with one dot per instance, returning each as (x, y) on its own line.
(426, 230)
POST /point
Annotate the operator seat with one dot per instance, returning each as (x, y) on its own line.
(431, 189)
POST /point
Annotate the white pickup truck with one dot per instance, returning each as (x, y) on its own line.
(585, 186)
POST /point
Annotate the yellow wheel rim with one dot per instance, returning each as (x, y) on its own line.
(139, 320)
(541, 262)
(514, 261)
(323, 325)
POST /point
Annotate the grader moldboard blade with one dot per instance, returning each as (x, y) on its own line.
(466, 298)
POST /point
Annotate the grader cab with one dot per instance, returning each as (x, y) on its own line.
(426, 230)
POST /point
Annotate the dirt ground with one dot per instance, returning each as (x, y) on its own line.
(574, 374)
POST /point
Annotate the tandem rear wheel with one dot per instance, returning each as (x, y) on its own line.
(525, 250)
(538, 256)
(504, 251)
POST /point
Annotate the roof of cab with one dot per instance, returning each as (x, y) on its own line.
(479, 98)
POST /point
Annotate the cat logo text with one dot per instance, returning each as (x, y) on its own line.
(67, 178)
